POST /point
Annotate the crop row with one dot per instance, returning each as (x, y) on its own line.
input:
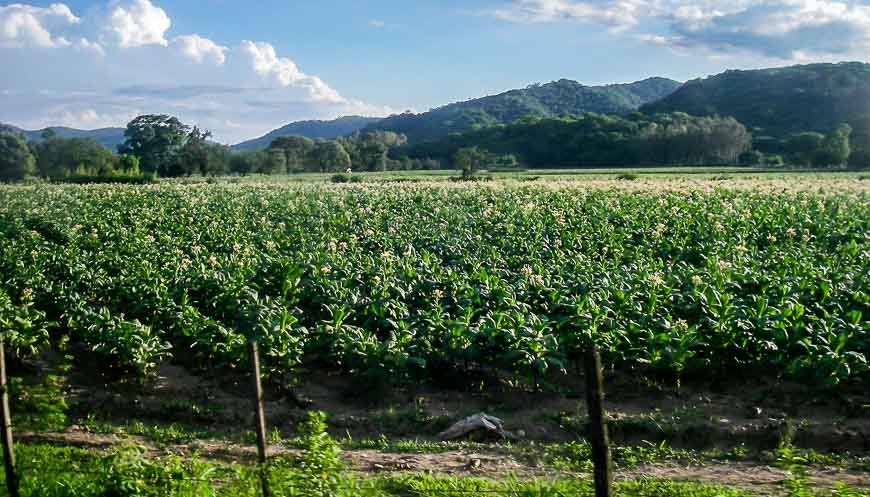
(422, 281)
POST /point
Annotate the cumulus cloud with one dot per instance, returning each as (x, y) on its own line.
(86, 118)
(284, 72)
(137, 23)
(199, 49)
(783, 29)
(377, 24)
(237, 93)
(26, 25)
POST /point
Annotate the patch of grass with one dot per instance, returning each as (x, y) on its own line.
(577, 456)
(415, 446)
(185, 409)
(50, 471)
(399, 421)
(160, 434)
(681, 424)
(39, 406)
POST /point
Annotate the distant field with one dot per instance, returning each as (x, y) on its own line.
(698, 172)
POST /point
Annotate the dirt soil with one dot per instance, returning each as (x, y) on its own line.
(756, 414)
(761, 479)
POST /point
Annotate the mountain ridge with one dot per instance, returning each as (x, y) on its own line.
(554, 99)
(778, 101)
(108, 137)
(314, 129)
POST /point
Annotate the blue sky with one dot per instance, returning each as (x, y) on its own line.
(242, 70)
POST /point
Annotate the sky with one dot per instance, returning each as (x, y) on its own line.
(241, 69)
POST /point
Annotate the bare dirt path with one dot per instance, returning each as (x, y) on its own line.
(759, 478)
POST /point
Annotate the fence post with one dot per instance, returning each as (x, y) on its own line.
(6, 419)
(260, 419)
(603, 472)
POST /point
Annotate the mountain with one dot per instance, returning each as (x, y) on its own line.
(107, 137)
(559, 98)
(312, 129)
(778, 102)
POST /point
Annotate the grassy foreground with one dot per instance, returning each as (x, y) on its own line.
(49, 471)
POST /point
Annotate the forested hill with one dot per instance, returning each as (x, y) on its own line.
(107, 137)
(559, 98)
(778, 102)
(327, 130)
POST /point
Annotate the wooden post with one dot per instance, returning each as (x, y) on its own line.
(598, 423)
(6, 419)
(261, 419)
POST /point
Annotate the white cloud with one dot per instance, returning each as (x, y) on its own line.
(266, 63)
(618, 15)
(25, 25)
(137, 23)
(199, 49)
(785, 29)
(377, 24)
(143, 67)
(782, 29)
(85, 44)
(284, 72)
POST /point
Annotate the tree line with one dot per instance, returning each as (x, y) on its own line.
(595, 140)
(161, 145)
(60, 158)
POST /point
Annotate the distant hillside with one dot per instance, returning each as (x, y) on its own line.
(312, 129)
(559, 98)
(777, 102)
(107, 137)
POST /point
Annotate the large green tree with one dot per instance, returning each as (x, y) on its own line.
(331, 156)
(16, 161)
(370, 151)
(297, 151)
(860, 141)
(60, 157)
(469, 160)
(835, 150)
(272, 161)
(155, 140)
(801, 148)
(192, 157)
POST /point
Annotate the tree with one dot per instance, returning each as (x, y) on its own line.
(297, 151)
(373, 148)
(128, 165)
(774, 160)
(272, 161)
(751, 158)
(243, 163)
(595, 140)
(218, 159)
(860, 141)
(507, 161)
(330, 156)
(5, 128)
(801, 148)
(154, 140)
(191, 158)
(60, 157)
(835, 149)
(16, 161)
(469, 160)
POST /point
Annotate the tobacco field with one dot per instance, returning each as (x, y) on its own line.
(423, 281)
